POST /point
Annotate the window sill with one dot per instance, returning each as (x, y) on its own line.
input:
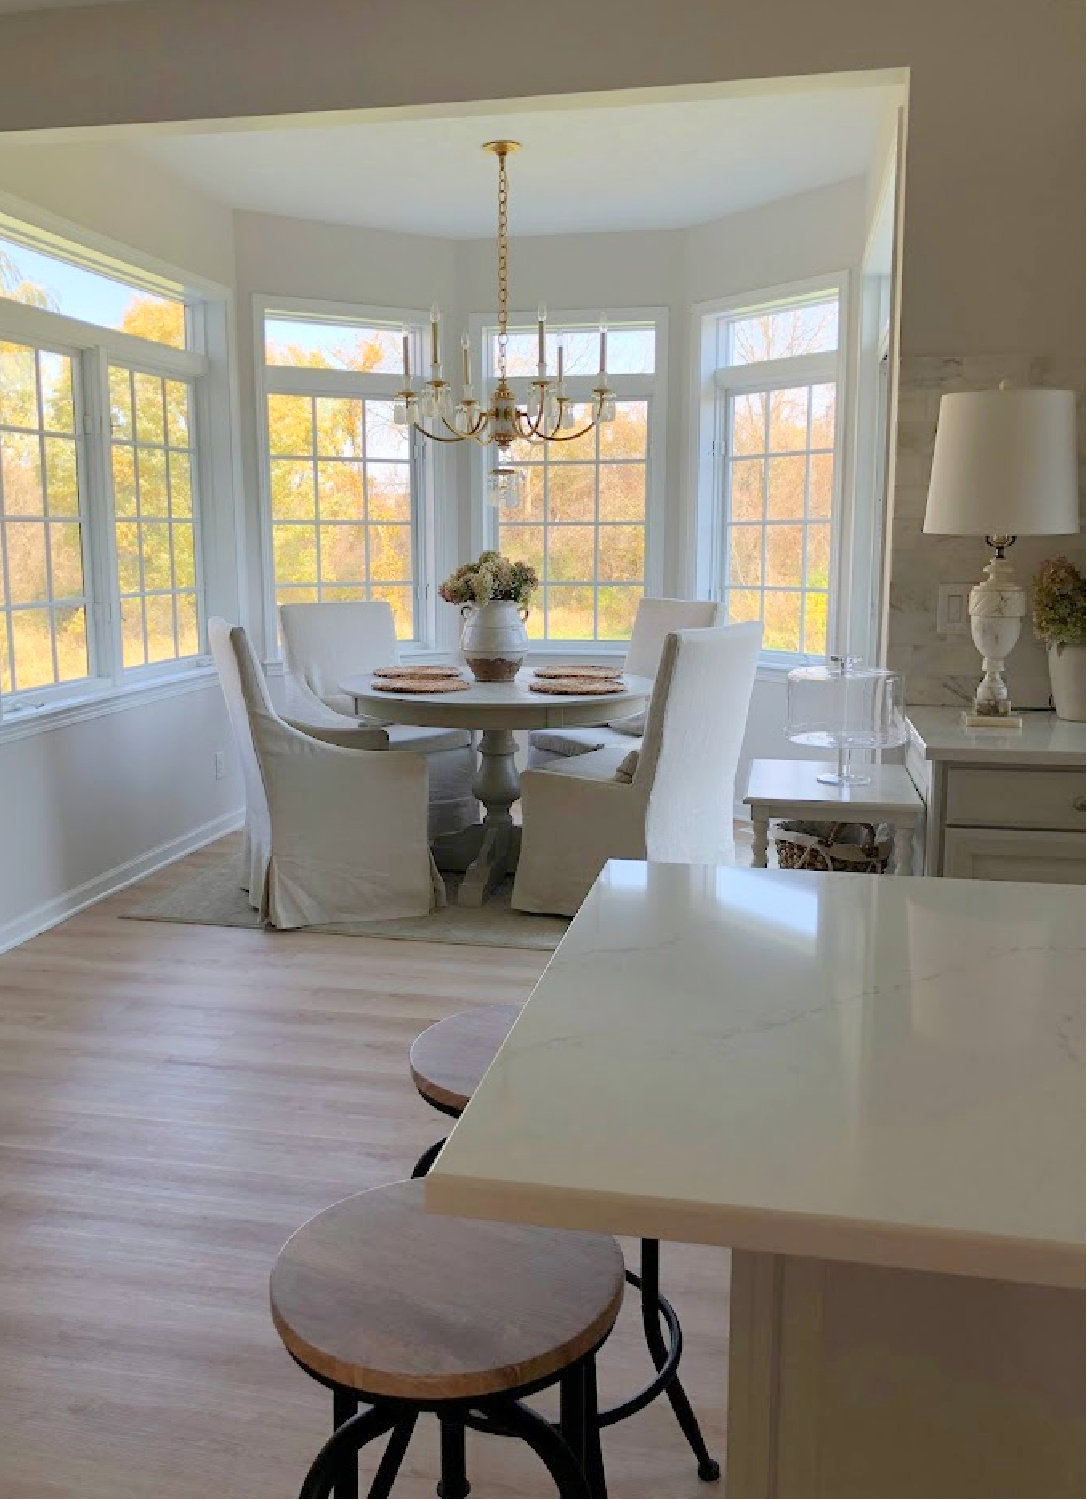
(23, 723)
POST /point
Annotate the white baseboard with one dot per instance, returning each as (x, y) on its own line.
(60, 908)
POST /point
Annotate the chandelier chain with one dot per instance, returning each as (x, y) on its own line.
(503, 262)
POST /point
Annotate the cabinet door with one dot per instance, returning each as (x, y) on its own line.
(1013, 854)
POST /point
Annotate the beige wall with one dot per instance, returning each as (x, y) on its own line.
(993, 255)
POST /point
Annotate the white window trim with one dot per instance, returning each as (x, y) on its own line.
(212, 365)
(653, 388)
(708, 381)
(429, 470)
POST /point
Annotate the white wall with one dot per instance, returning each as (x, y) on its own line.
(87, 805)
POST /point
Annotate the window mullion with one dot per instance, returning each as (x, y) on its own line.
(103, 589)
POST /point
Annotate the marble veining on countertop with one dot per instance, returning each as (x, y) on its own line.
(878, 1070)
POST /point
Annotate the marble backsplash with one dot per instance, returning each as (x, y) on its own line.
(946, 669)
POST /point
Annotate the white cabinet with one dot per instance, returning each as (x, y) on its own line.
(1000, 806)
(1013, 854)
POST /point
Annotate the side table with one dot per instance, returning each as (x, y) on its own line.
(789, 789)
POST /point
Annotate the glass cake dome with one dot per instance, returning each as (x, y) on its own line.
(843, 706)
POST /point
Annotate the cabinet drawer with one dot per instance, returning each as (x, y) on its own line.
(1016, 799)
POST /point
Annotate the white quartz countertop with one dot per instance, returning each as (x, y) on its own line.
(1044, 740)
(884, 1071)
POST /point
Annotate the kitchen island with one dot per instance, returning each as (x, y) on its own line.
(872, 1091)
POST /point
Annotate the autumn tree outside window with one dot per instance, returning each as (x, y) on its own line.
(100, 566)
(769, 465)
(344, 483)
(590, 522)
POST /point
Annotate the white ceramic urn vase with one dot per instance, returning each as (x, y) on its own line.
(494, 639)
(1067, 667)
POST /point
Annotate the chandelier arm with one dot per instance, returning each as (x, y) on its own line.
(436, 437)
(570, 437)
(468, 432)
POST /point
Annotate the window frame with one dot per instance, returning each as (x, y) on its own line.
(427, 469)
(653, 389)
(713, 385)
(207, 365)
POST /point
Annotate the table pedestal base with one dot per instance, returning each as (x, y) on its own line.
(487, 852)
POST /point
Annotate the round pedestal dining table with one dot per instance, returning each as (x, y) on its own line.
(487, 851)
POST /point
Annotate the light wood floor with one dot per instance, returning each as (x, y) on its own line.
(174, 1101)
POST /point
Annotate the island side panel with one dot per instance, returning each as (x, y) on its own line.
(877, 1381)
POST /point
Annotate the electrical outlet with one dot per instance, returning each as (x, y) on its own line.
(953, 609)
(220, 765)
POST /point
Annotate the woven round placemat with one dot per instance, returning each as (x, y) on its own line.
(413, 672)
(586, 669)
(421, 685)
(566, 687)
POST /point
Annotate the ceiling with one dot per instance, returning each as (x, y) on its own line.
(654, 165)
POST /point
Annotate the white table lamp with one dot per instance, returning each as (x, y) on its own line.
(1004, 466)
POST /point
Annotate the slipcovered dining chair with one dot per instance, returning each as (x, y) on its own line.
(669, 800)
(654, 620)
(325, 643)
(346, 829)
(313, 719)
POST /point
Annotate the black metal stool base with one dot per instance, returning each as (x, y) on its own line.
(665, 1356)
(569, 1451)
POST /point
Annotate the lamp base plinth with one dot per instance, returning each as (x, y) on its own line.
(843, 778)
(1001, 722)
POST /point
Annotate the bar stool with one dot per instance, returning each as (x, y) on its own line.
(447, 1063)
(410, 1312)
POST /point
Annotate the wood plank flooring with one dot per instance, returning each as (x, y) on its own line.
(174, 1101)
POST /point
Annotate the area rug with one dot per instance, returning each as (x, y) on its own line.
(213, 898)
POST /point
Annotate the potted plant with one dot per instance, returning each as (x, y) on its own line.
(1060, 620)
(493, 594)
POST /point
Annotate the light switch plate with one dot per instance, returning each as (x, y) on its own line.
(953, 609)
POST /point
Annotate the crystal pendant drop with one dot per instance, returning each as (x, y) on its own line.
(506, 487)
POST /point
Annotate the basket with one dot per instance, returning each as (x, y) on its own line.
(857, 847)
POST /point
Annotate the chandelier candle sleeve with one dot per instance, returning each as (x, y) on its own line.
(435, 345)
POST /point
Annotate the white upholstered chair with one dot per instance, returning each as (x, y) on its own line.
(346, 829)
(311, 718)
(325, 643)
(654, 620)
(677, 805)
(257, 837)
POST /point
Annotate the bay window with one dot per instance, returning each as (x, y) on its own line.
(586, 523)
(769, 466)
(100, 434)
(344, 483)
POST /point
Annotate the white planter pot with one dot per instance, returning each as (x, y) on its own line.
(1066, 678)
(494, 639)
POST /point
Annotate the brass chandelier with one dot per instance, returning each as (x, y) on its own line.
(547, 417)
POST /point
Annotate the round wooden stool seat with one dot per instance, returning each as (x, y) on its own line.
(377, 1295)
(449, 1059)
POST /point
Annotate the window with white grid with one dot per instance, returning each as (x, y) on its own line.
(342, 481)
(103, 401)
(585, 521)
(43, 595)
(152, 462)
(776, 444)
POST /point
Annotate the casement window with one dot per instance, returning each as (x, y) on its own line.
(769, 466)
(344, 483)
(43, 589)
(589, 523)
(152, 465)
(100, 433)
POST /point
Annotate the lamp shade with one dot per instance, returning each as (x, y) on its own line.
(1004, 465)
